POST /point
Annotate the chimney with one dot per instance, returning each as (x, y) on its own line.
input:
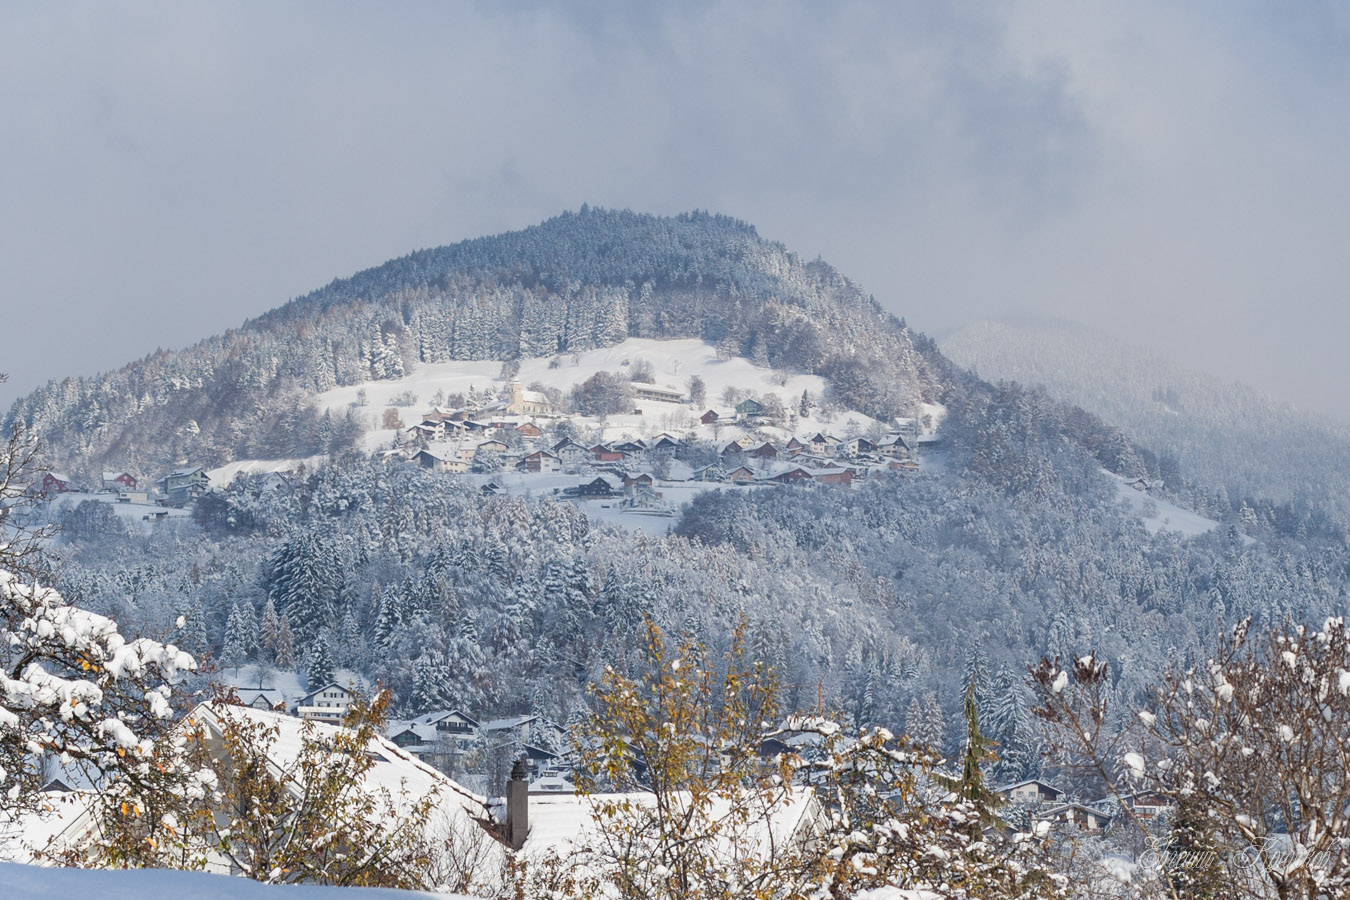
(518, 805)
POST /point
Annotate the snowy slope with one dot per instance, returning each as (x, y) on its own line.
(673, 363)
(1159, 515)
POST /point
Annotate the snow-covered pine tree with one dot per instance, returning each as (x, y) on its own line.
(285, 657)
(319, 665)
(270, 632)
(234, 653)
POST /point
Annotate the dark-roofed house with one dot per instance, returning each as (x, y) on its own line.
(1033, 790)
(599, 487)
(792, 476)
(666, 446)
(749, 408)
(709, 417)
(764, 451)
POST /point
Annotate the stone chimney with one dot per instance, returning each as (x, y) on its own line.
(518, 805)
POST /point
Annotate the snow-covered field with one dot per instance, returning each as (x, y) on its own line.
(21, 882)
(134, 515)
(222, 476)
(1160, 515)
(672, 362)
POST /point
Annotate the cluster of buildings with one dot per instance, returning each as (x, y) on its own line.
(1035, 800)
(505, 436)
(176, 489)
(443, 738)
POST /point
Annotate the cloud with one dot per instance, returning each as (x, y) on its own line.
(1171, 171)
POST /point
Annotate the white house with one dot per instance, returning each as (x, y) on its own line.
(328, 704)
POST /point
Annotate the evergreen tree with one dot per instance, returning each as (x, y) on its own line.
(285, 644)
(974, 755)
(352, 649)
(388, 618)
(234, 652)
(270, 631)
(431, 684)
(304, 579)
(319, 666)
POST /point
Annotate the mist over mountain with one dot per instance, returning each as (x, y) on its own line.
(1230, 437)
(576, 282)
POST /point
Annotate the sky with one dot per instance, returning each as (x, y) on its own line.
(1174, 172)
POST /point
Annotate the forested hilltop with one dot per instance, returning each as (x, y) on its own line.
(576, 282)
(1232, 451)
(882, 600)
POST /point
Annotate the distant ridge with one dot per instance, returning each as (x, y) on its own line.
(1230, 437)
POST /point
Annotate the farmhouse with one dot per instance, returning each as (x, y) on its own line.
(603, 454)
(540, 461)
(749, 408)
(56, 483)
(1031, 791)
(119, 481)
(328, 704)
(764, 451)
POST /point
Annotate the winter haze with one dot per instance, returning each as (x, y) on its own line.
(1171, 172)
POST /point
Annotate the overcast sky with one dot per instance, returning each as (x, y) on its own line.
(1176, 172)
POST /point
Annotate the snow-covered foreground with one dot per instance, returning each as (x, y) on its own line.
(20, 882)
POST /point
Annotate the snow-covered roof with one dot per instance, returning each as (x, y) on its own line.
(22, 835)
(1045, 784)
(508, 722)
(394, 769)
(440, 715)
(563, 823)
(332, 685)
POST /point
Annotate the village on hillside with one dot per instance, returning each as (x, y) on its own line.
(663, 447)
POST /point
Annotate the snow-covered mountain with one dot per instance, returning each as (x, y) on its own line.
(575, 283)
